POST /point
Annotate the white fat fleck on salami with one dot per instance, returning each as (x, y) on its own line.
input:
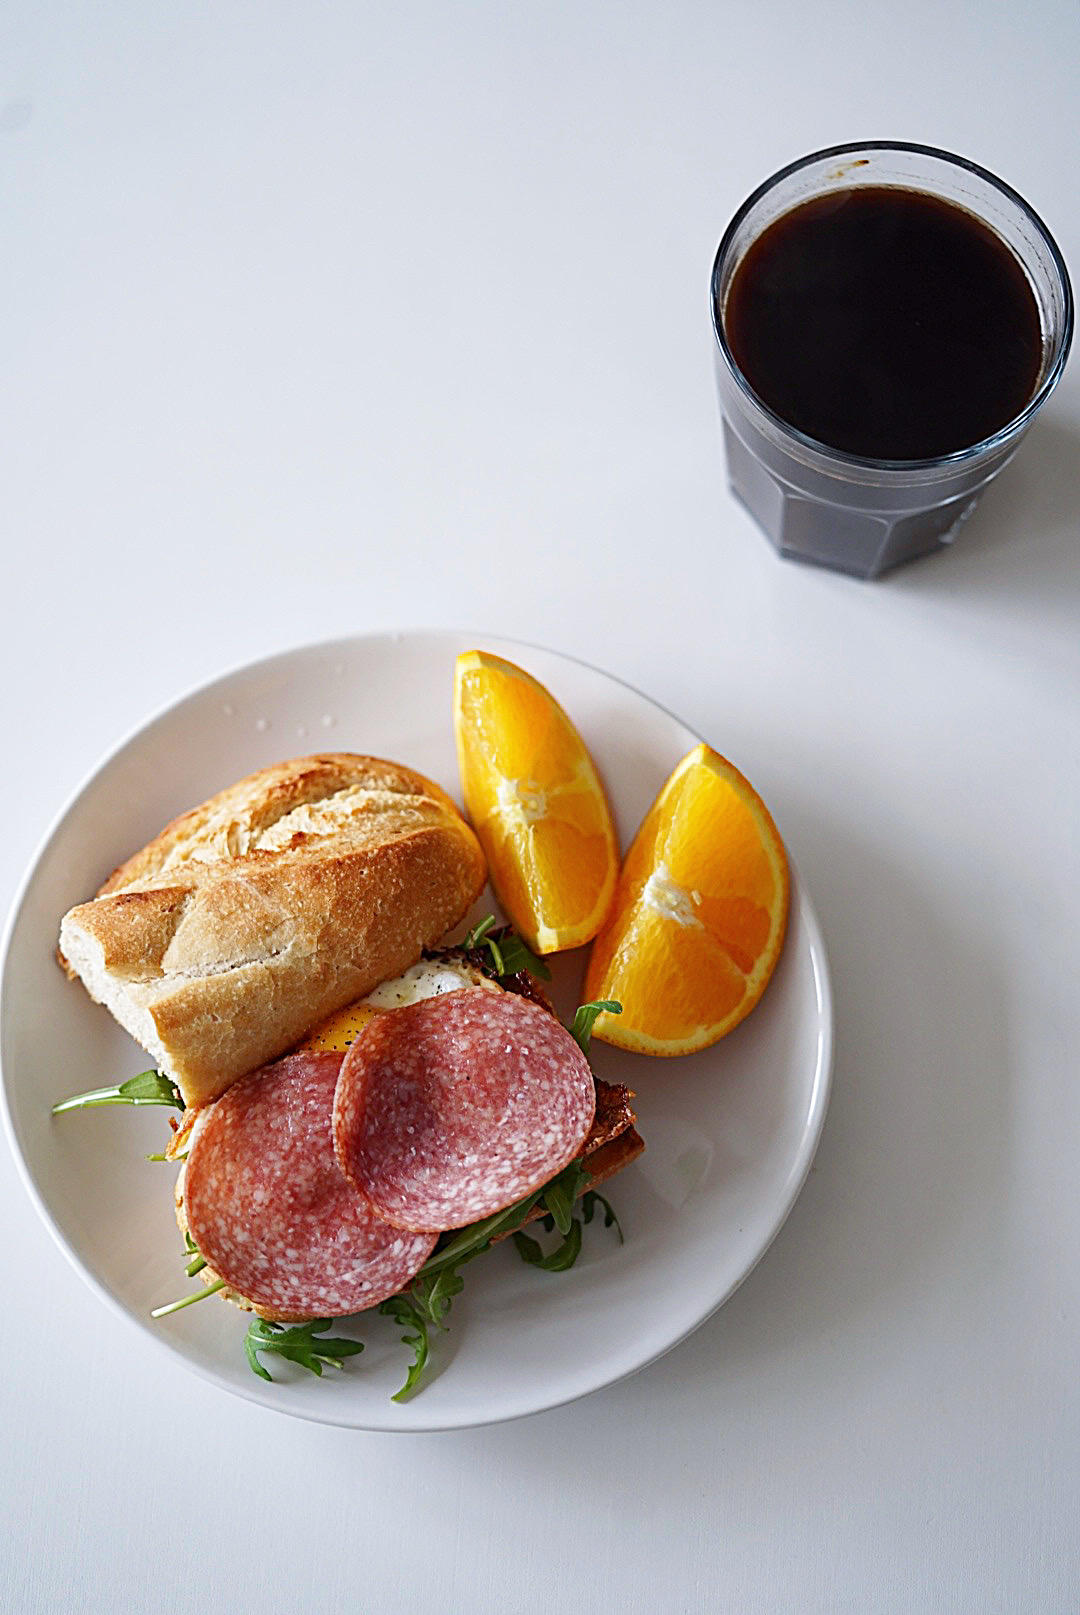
(456, 1107)
(268, 1207)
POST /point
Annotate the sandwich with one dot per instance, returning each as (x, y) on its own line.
(364, 1111)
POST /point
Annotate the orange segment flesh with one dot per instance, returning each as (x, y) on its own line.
(699, 914)
(536, 803)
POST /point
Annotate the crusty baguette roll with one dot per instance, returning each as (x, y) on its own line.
(282, 899)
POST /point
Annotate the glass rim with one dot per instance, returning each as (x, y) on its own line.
(842, 456)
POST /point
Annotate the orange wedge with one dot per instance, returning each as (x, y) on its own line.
(699, 914)
(536, 803)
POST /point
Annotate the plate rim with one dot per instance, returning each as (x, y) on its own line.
(810, 1137)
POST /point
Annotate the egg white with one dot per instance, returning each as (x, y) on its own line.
(429, 978)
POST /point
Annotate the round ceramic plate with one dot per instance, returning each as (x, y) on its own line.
(730, 1133)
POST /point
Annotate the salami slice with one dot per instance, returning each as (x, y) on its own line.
(268, 1207)
(455, 1107)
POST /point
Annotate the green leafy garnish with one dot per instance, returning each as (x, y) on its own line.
(474, 937)
(298, 1343)
(585, 1019)
(148, 1088)
(589, 1202)
(188, 1300)
(560, 1215)
(507, 951)
(427, 1301)
(479, 1235)
(406, 1312)
(558, 1260)
(429, 1298)
(198, 1260)
(516, 956)
(195, 1263)
(558, 1196)
(561, 1192)
(435, 1293)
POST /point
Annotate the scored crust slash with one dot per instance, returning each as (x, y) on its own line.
(362, 1115)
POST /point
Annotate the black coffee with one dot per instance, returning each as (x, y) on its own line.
(886, 323)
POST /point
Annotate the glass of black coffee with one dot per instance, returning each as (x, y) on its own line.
(889, 318)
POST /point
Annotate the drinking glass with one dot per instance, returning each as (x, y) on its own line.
(854, 514)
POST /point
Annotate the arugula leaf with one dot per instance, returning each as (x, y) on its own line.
(427, 1301)
(148, 1088)
(589, 1202)
(198, 1260)
(509, 954)
(188, 1300)
(432, 1292)
(474, 937)
(434, 1288)
(528, 1249)
(557, 1261)
(429, 1298)
(151, 1088)
(405, 1311)
(561, 1192)
(297, 1343)
(476, 1238)
(479, 1235)
(435, 1294)
(559, 1198)
(580, 1028)
(517, 956)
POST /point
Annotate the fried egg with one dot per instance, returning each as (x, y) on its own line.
(429, 978)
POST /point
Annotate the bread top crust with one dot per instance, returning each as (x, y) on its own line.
(287, 809)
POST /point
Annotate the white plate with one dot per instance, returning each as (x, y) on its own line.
(730, 1133)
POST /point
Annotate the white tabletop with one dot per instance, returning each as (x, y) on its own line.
(331, 318)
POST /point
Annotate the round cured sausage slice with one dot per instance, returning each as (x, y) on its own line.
(268, 1207)
(456, 1107)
